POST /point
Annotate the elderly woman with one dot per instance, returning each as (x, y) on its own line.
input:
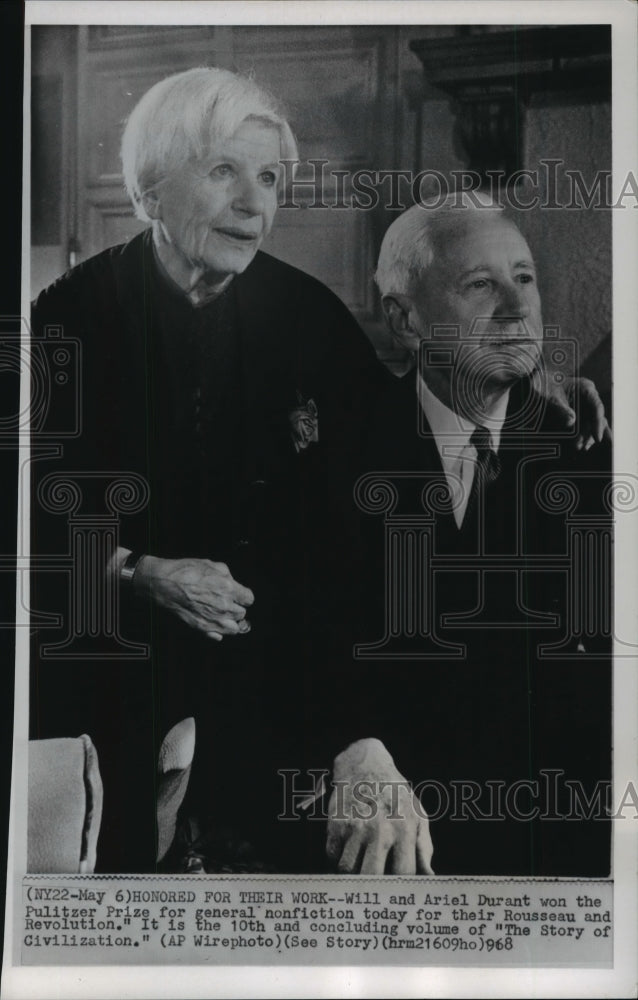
(245, 368)
(236, 387)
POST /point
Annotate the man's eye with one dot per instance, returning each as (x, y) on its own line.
(222, 170)
(525, 279)
(269, 178)
(479, 283)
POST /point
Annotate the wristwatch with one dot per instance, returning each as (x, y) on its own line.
(128, 568)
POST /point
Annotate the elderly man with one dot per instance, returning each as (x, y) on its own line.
(237, 388)
(502, 689)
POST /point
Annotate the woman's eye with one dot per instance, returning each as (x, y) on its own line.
(222, 170)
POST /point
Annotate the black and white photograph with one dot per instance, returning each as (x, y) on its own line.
(327, 496)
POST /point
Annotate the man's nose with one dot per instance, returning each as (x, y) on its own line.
(512, 301)
(249, 197)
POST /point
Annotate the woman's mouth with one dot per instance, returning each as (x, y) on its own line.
(239, 236)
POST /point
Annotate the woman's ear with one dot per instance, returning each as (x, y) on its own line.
(399, 311)
(152, 205)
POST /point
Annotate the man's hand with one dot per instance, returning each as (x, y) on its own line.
(577, 394)
(375, 822)
(200, 592)
(582, 393)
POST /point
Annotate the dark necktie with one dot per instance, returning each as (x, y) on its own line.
(486, 470)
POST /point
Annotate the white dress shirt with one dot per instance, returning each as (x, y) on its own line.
(452, 434)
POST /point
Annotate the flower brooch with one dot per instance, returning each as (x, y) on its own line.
(304, 423)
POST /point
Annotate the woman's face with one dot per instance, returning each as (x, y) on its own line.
(216, 216)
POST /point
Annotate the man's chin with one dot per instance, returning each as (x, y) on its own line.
(510, 377)
(498, 372)
(517, 361)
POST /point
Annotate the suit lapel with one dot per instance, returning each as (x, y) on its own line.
(407, 445)
(407, 440)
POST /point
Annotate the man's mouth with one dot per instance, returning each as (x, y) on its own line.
(510, 341)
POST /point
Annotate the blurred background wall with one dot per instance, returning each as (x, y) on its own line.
(358, 97)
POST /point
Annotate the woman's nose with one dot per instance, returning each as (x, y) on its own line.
(248, 197)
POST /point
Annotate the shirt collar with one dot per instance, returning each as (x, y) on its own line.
(199, 293)
(450, 428)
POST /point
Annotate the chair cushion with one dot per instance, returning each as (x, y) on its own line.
(174, 768)
(65, 805)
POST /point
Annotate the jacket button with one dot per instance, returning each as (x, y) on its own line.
(243, 542)
(258, 482)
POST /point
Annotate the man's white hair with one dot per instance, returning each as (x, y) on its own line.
(180, 118)
(409, 244)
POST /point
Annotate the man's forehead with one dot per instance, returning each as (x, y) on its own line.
(492, 236)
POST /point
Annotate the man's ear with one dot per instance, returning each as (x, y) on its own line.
(152, 206)
(399, 312)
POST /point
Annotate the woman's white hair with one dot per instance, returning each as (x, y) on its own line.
(181, 117)
(409, 244)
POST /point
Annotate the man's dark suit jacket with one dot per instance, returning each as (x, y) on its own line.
(501, 712)
(256, 699)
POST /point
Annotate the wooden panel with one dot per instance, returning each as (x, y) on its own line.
(332, 246)
(330, 92)
(112, 93)
(111, 221)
